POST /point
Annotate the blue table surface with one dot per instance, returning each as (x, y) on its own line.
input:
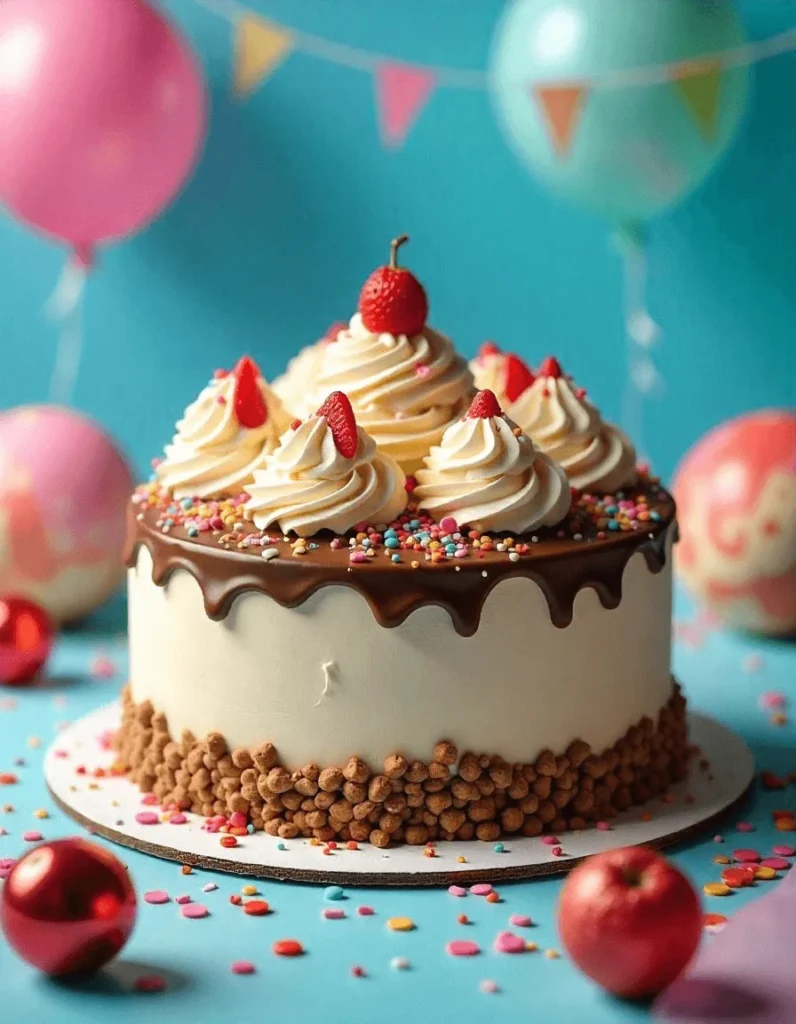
(724, 675)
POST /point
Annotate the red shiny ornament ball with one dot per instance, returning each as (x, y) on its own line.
(67, 907)
(26, 639)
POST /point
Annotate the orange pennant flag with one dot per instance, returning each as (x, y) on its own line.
(260, 47)
(699, 83)
(561, 107)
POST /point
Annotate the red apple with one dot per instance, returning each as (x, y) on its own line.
(629, 920)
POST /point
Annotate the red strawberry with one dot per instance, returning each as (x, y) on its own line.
(250, 407)
(342, 423)
(518, 377)
(483, 406)
(551, 368)
(392, 300)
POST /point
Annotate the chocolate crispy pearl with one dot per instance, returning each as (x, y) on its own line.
(561, 566)
(449, 797)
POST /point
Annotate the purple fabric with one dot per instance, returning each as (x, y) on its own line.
(747, 973)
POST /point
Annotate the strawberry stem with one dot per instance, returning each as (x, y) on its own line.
(395, 245)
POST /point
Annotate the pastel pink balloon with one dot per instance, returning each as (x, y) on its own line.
(736, 507)
(63, 509)
(102, 116)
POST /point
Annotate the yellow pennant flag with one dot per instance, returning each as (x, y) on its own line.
(699, 83)
(260, 47)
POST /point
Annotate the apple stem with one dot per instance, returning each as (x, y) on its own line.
(395, 245)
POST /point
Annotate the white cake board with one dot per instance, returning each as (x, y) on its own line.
(108, 807)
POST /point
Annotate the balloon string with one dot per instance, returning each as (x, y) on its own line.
(642, 334)
(65, 308)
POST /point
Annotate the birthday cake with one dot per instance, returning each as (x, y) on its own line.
(381, 602)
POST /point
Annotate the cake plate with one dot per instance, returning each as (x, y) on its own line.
(112, 807)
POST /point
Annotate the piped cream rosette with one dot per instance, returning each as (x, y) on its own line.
(223, 435)
(297, 386)
(595, 455)
(405, 391)
(488, 475)
(326, 474)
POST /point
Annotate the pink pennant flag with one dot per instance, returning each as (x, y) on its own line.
(402, 91)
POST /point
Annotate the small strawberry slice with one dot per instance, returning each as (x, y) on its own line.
(519, 377)
(489, 348)
(333, 330)
(483, 406)
(249, 403)
(551, 368)
(342, 423)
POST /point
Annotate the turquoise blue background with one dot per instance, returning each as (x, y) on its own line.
(288, 212)
(295, 199)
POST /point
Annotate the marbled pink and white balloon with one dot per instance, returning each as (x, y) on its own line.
(64, 488)
(736, 499)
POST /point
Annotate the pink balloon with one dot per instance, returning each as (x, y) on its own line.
(102, 116)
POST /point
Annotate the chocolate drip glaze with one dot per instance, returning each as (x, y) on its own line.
(560, 566)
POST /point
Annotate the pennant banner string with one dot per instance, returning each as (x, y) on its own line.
(344, 55)
(465, 78)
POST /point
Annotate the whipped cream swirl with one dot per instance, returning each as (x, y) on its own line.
(489, 372)
(212, 454)
(488, 475)
(405, 391)
(307, 486)
(297, 386)
(595, 455)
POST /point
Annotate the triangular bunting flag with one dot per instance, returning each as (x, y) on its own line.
(260, 47)
(561, 107)
(699, 83)
(401, 93)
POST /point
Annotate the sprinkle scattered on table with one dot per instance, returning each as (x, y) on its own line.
(716, 889)
(150, 983)
(156, 896)
(462, 947)
(194, 911)
(508, 942)
(256, 908)
(520, 921)
(400, 924)
(287, 947)
(242, 967)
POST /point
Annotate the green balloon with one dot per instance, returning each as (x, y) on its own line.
(634, 150)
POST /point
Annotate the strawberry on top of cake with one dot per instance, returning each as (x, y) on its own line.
(554, 411)
(326, 474)
(486, 473)
(405, 381)
(223, 435)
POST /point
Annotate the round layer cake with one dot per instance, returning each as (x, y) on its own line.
(332, 649)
